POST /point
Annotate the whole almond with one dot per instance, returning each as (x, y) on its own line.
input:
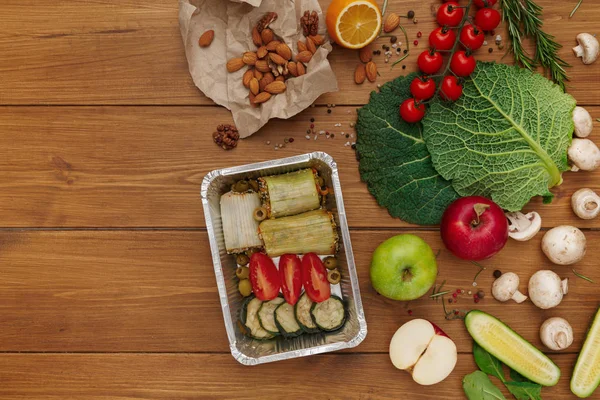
(292, 68)
(257, 74)
(365, 54)
(275, 87)
(267, 36)
(262, 66)
(360, 74)
(254, 87)
(262, 52)
(318, 39)
(310, 45)
(304, 56)
(301, 46)
(284, 51)
(301, 68)
(252, 97)
(267, 79)
(235, 64)
(391, 23)
(280, 78)
(262, 97)
(277, 59)
(272, 45)
(248, 75)
(206, 38)
(249, 58)
(256, 38)
(371, 71)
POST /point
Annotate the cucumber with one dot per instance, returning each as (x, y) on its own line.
(510, 348)
(329, 315)
(249, 317)
(586, 375)
(266, 315)
(302, 314)
(286, 322)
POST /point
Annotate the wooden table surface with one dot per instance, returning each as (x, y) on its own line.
(107, 288)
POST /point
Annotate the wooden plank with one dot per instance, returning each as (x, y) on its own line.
(142, 166)
(219, 376)
(155, 291)
(121, 52)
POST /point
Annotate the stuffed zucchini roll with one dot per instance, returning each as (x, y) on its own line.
(240, 228)
(290, 194)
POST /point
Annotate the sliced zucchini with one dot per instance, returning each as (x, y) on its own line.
(266, 315)
(329, 315)
(286, 322)
(302, 313)
(249, 317)
(586, 375)
(510, 348)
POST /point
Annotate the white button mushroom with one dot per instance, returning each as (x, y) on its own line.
(583, 122)
(506, 288)
(556, 333)
(523, 227)
(564, 245)
(546, 290)
(584, 155)
(587, 48)
(585, 203)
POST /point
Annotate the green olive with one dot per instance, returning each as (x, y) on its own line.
(245, 287)
(241, 186)
(242, 259)
(260, 214)
(320, 181)
(334, 277)
(242, 273)
(253, 184)
(330, 262)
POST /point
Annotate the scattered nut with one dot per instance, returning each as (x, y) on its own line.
(235, 64)
(262, 97)
(371, 71)
(262, 52)
(284, 51)
(254, 87)
(248, 75)
(276, 87)
(391, 23)
(256, 38)
(317, 39)
(304, 57)
(310, 45)
(226, 136)
(206, 38)
(267, 36)
(365, 54)
(249, 58)
(301, 46)
(360, 74)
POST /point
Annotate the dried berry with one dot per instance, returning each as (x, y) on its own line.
(226, 136)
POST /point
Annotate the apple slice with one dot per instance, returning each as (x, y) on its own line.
(424, 350)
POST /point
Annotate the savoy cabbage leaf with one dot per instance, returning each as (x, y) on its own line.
(394, 161)
(506, 138)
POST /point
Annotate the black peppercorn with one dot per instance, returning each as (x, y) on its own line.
(405, 51)
(497, 274)
(353, 146)
(481, 294)
(404, 67)
(312, 120)
(329, 111)
(410, 14)
(393, 39)
(490, 50)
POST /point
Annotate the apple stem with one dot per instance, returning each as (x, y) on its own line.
(479, 208)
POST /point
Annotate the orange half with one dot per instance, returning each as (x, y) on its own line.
(353, 23)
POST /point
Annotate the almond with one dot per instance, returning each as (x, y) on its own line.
(252, 97)
(365, 54)
(310, 45)
(256, 38)
(304, 56)
(292, 68)
(360, 74)
(318, 39)
(280, 78)
(301, 46)
(206, 38)
(262, 66)
(254, 87)
(277, 59)
(391, 23)
(235, 64)
(262, 97)
(371, 71)
(247, 76)
(267, 36)
(267, 79)
(275, 87)
(262, 52)
(284, 51)
(272, 46)
(257, 74)
(301, 69)
(249, 58)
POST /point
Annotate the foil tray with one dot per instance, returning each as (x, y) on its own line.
(253, 352)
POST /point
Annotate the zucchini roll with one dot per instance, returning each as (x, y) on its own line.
(240, 229)
(313, 231)
(290, 194)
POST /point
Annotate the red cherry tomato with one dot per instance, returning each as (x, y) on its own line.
(450, 89)
(290, 273)
(412, 111)
(462, 64)
(442, 38)
(450, 14)
(314, 278)
(422, 88)
(264, 277)
(484, 3)
(430, 62)
(487, 19)
(472, 37)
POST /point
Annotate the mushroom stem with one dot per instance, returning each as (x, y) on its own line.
(519, 297)
(561, 340)
(578, 50)
(564, 285)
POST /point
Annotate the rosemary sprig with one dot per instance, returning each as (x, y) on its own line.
(524, 19)
(585, 278)
(481, 269)
(439, 294)
(575, 9)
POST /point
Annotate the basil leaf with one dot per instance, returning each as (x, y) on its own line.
(487, 362)
(477, 386)
(517, 377)
(525, 390)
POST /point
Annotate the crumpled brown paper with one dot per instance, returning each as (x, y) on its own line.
(232, 22)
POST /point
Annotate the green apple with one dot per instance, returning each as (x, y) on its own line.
(403, 268)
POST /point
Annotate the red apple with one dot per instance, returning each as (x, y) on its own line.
(474, 228)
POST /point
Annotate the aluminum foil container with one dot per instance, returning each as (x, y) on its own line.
(252, 352)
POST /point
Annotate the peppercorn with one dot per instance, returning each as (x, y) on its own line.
(332, 135)
(347, 135)
(312, 126)
(291, 140)
(476, 300)
(308, 131)
(383, 46)
(312, 120)
(328, 111)
(393, 39)
(353, 146)
(410, 14)
(404, 67)
(405, 51)
(497, 274)
(450, 300)
(490, 50)
(481, 294)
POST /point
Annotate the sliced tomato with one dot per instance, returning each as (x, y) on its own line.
(264, 277)
(314, 278)
(290, 273)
